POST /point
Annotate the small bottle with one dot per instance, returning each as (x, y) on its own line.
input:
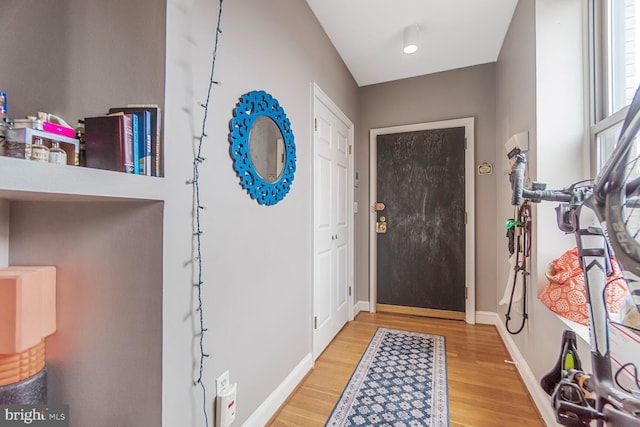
(56, 154)
(82, 157)
(39, 151)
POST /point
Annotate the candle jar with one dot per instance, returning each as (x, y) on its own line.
(56, 154)
(39, 151)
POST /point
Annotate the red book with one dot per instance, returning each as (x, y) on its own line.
(109, 142)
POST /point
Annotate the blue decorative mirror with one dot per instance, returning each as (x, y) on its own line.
(262, 147)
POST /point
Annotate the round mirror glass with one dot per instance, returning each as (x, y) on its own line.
(266, 148)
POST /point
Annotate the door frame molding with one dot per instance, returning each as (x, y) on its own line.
(318, 95)
(469, 199)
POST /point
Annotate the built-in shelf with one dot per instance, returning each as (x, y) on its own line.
(108, 255)
(28, 180)
(102, 230)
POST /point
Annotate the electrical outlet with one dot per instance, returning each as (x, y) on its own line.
(222, 382)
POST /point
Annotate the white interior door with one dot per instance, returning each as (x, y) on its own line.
(333, 221)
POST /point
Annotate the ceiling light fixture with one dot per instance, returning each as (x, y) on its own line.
(410, 44)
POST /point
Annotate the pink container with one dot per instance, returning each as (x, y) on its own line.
(58, 130)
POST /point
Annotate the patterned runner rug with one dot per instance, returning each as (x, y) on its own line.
(400, 381)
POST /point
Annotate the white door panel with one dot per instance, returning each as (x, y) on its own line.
(323, 294)
(341, 276)
(341, 196)
(323, 193)
(323, 133)
(341, 142)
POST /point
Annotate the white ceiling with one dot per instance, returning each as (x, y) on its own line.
(453, 34)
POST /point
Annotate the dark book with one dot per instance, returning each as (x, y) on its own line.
(109, 142)
(157, 147)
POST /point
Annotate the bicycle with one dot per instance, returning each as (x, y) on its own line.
(605, 221)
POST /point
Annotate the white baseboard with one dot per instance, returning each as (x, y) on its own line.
(487, 318)
(360, 306)
(538, 395)
(272, 403)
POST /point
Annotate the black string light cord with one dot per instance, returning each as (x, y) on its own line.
(198, 159)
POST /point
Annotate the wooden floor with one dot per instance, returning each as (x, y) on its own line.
(483, 389)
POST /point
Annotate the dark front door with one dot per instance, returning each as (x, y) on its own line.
(421, 257)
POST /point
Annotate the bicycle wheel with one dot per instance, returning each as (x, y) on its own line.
(621, 186)
(621, 190)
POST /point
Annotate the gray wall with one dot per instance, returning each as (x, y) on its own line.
(77, 58)
(32, 77)
(257, 259)
(515, 112)
(542, 56)
(466, 92)
(107, 350)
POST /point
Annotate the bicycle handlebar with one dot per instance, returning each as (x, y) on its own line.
(536, 196)
(549, 195)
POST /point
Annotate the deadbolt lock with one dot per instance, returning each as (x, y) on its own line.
(378, 207)
(381, 225)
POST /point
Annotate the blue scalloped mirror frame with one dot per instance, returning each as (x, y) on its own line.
(252, 106)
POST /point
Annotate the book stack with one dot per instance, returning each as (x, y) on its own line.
(127, 139)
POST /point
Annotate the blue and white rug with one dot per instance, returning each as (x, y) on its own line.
(401, 381)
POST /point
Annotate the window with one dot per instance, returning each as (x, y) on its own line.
(623, 56)
(616, 69)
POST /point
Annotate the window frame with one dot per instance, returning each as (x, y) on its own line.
(598, 71)
(602, 116)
